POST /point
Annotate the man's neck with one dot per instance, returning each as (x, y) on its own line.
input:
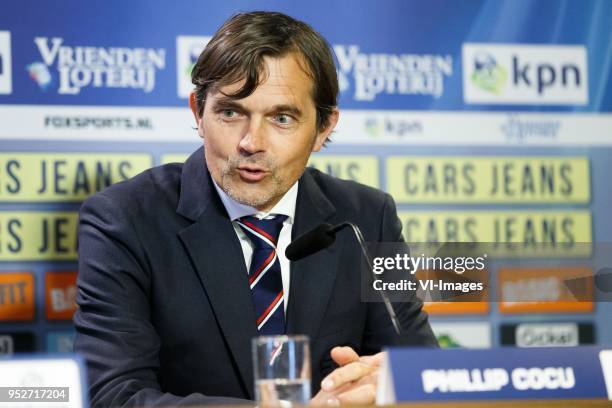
(285, 206)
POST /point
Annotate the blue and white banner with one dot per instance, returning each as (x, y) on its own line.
(440, 55)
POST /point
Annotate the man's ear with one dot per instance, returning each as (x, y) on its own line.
(194, 107)
(324, 133)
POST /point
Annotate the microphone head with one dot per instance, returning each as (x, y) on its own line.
(313, 241)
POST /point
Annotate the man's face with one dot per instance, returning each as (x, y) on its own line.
(258, 146)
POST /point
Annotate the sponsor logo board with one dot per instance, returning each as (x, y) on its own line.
(368, 75)
(69, 69)
(60, 342)
(525, 74)
(552, 334)
(17, 342)
(356, 127)
(500, 179)
(6, 67)
(524, 129)
(60, 295)
(530, 228)
(64, 176)
(188, 49)
(38, 236)
(17, 296)
(562, 289)
(462, 335)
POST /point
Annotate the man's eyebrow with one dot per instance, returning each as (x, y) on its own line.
(288, 109)
(226, 102)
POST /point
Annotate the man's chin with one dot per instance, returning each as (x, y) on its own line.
(243, 196)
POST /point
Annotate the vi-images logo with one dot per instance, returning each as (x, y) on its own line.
(188, 49)
(525, 74)
(6, 80)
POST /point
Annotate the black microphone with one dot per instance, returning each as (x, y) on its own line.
(324, 235)
(312, 241)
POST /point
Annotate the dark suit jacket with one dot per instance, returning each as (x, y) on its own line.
(165, 311)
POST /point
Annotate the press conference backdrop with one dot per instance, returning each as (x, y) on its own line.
(487, 121)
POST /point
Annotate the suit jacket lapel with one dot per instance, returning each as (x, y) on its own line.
(224, 278)
(312, 278)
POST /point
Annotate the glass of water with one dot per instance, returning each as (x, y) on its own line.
(281, 366)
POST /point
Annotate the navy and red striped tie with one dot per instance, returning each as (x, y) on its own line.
(265, 273)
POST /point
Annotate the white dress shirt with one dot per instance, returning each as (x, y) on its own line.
(286, 206)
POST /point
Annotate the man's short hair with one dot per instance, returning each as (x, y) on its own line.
(237, 52)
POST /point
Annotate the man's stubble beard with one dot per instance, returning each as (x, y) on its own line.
(259, 198)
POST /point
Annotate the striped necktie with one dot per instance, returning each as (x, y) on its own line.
(265, 272)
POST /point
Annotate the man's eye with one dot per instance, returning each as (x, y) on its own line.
(283, 119)
(229, 113)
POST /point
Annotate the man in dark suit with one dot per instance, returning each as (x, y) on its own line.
(168, 300)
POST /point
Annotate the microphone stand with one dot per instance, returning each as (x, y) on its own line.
(396, 323)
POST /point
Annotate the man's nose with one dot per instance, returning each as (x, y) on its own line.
(255, 138)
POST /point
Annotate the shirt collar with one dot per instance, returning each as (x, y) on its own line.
(235, 210)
